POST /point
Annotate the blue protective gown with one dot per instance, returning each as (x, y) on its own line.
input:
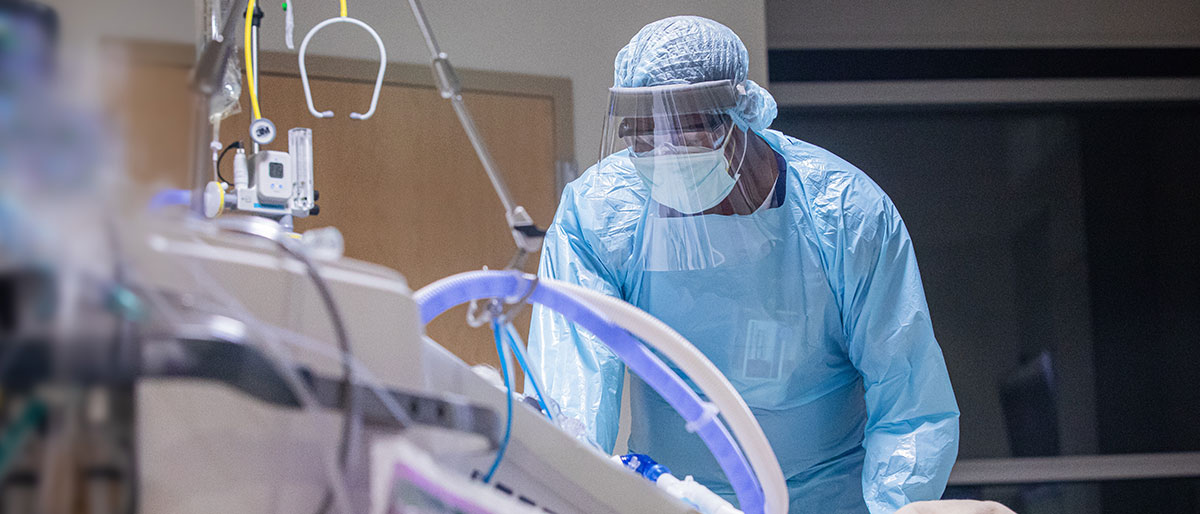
(823, 328)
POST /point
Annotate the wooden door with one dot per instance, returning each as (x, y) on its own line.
(405, 187)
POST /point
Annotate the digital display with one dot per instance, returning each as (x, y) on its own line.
(275, 169)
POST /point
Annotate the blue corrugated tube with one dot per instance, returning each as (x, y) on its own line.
(168, 197)
(446, 293)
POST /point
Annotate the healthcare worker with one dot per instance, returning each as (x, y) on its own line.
(786, 265)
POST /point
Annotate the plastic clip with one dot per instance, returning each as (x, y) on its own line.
(494, 310)
(514, 308)
(710, 413)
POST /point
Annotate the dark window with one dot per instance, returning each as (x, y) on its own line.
(1058, 246)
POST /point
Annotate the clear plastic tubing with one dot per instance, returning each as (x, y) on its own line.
(449, 292)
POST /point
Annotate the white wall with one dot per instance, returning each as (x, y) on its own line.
(577, 39)
(976, 23)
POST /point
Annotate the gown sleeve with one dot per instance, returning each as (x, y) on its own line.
(911, 437)
(576, 370)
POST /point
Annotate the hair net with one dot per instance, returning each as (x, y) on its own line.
(691, 49)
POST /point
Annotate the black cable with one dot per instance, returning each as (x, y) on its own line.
(235, 144)
(351, 411)
(350, 414)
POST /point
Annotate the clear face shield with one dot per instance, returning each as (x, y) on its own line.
(678, 138)
(707, 194)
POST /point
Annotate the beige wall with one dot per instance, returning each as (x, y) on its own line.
(577, 39)
(976, 23)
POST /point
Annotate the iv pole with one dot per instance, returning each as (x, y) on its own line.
(205, 81)
(526, 235)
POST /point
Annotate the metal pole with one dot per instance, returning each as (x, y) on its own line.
(423, 23)
(254, 59)
(449, 87)
(201, 161)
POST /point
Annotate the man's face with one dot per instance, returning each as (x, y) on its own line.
(693, 132)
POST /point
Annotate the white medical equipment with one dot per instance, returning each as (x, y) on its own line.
(233, 329)
(273, 176)
(270, 183)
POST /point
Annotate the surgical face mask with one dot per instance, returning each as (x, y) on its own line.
(687, 179)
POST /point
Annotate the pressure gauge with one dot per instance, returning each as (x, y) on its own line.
(262, 131)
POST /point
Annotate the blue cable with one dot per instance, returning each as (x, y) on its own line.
(514, 340)
(508, 400)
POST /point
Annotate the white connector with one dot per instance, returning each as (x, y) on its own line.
(241, 174)
(693, 492)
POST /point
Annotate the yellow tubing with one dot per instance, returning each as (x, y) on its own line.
(249, 61)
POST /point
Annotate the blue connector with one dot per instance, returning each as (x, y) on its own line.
(643, 465)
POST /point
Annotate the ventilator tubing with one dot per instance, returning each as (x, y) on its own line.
(440, 296)
(708, 378)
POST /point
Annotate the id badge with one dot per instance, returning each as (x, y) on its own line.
(763, 356)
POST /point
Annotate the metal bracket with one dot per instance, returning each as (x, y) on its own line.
(378, 77)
